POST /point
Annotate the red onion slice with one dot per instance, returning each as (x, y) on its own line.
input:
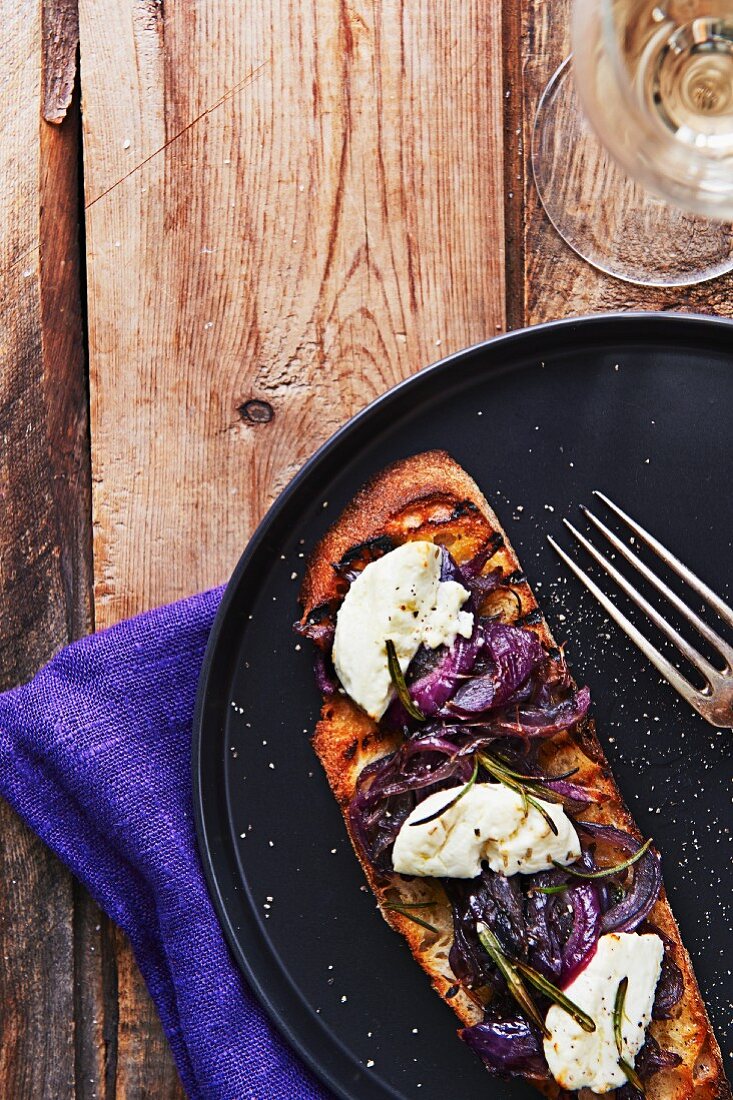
(638, 902)
(583, 939)
(513, 653)
(508, 1047)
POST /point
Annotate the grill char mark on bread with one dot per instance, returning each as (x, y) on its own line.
(430, 497)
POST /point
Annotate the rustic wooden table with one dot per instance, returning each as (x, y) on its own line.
(267, 214)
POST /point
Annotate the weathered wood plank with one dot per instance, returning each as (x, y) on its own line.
(557, 283)
(60, 29)
(145, 1068)
(36, 1027)
(45, 546)
(70, 484)
(95, 1001)
(299, 218)
(514, 160)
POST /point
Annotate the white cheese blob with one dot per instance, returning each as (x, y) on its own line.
(533, 846)
(581, 1059)
(399, 596)
(490, 823)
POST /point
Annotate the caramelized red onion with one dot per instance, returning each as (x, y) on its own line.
(557, 934)
(497, 902)
(582, 942)
(572, 795)
(671, 984)
(471, 569)
(510, 655)
(636, 904)
(325, 673)
(483, 585)
(499, 680)
(319, 625)
(567, 923)
(435, 687)
(544, 932)
(436, 676)
(650, 1060)
(543, 720)
(435, 756)
(508, 1046)
(670, 987)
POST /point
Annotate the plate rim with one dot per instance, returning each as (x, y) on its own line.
(203, 840)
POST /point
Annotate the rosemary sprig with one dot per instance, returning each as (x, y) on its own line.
(397, 677)
(605, 871)
(628, 1070)
(539, 780)
(540, 982)
(503, 775)
(514, 970)
(551, 889)
(513, 980)
(618, 1014)
(463, 791)
(404, 911)
(631, 1075)
(541, 810)
(413, 904)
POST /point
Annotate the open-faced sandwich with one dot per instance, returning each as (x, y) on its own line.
(480, 803)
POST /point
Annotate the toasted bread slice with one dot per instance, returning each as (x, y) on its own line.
(430, 497)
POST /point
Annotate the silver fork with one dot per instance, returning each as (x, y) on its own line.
(715, 701)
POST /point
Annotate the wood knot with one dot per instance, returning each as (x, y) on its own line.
(256, 412)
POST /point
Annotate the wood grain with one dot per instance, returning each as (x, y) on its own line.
(60, 30)
(95, 1001)
(144, 1067)
(299, 210)
(44, 537)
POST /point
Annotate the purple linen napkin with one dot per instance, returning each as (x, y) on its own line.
(95, 757)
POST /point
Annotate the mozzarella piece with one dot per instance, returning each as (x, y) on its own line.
(399, 596)
(533, 845)
(488, 823)
(453, 845)
(579, 1059)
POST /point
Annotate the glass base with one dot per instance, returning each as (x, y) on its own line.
(606, 217)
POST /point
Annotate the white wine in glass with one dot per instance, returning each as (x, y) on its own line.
(655, 80)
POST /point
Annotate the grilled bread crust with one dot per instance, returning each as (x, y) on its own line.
(430, 497)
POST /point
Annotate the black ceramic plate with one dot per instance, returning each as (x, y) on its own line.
(637, 405)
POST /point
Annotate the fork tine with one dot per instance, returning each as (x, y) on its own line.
(721, 609)
(696, 659)
(700, 625)
(660, 662)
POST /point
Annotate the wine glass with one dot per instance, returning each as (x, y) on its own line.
(632, 147)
